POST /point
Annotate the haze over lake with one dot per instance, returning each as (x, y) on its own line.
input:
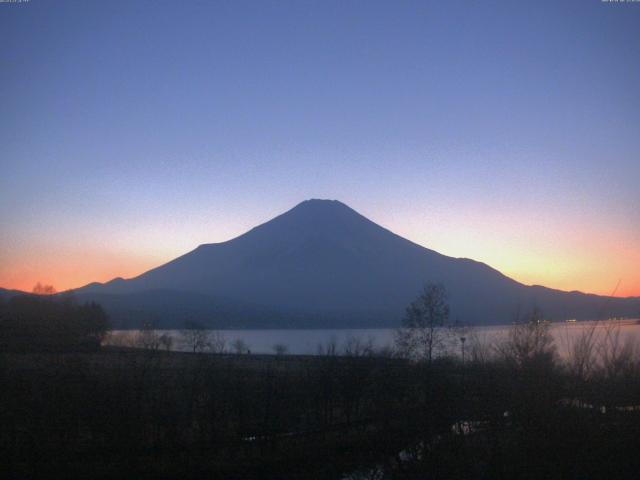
(307, 342)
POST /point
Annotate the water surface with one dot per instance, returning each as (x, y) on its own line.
(306, 342)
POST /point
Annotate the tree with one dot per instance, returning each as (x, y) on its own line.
(422, 334)
(357, 347)
(166, 341)
(239, 346)
(148, 337)
(330, 349)
(218, 342)
(529, 341)
(40, 289)
(37, 323)
(195, 337)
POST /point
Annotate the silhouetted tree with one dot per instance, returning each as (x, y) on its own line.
(196, 337)
(166, 341)
(618, 355)
(422, 334)
(239, 346)
(529, 341)
(330, 348)
(357, 347)
(217, 342)
(40, 289)
(148, 337)
(37, 323)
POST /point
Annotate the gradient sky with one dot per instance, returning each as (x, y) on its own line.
(507, 132)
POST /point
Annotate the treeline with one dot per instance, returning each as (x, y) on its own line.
(39, 323)
(513, 412)
(513, 409)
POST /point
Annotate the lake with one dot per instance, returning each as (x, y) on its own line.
(306, 342)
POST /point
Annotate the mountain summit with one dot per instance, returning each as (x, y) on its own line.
(323, 264)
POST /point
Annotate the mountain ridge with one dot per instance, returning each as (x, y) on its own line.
(323, 264)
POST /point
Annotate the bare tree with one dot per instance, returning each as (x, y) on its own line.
(218, 342)
(195, 337)
(581, 353)
(529, 341)
(617, 354)
(479, 350)
(40, 289)
(239, 346)
(166, 341)
(422, 334)
(357, 347)
(330, 349)
(148, 337)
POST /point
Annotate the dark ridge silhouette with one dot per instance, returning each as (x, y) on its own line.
(44, 323)
(322, 264)
(6, 294)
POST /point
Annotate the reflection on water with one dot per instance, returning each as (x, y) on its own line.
(307, 342)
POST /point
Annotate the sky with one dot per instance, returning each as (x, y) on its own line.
(507, 132)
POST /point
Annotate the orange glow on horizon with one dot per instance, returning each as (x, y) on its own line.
(560, 255)
(65, 273)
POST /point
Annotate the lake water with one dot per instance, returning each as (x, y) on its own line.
(305, 342)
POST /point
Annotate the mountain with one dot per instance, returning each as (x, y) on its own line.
(7, 294)
(322, 264)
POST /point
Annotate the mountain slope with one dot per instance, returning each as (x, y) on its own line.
(7, 294)
(323, 264)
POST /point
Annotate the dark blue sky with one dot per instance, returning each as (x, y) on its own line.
(509, 132)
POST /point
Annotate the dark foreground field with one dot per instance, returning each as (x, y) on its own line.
(141, 414)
